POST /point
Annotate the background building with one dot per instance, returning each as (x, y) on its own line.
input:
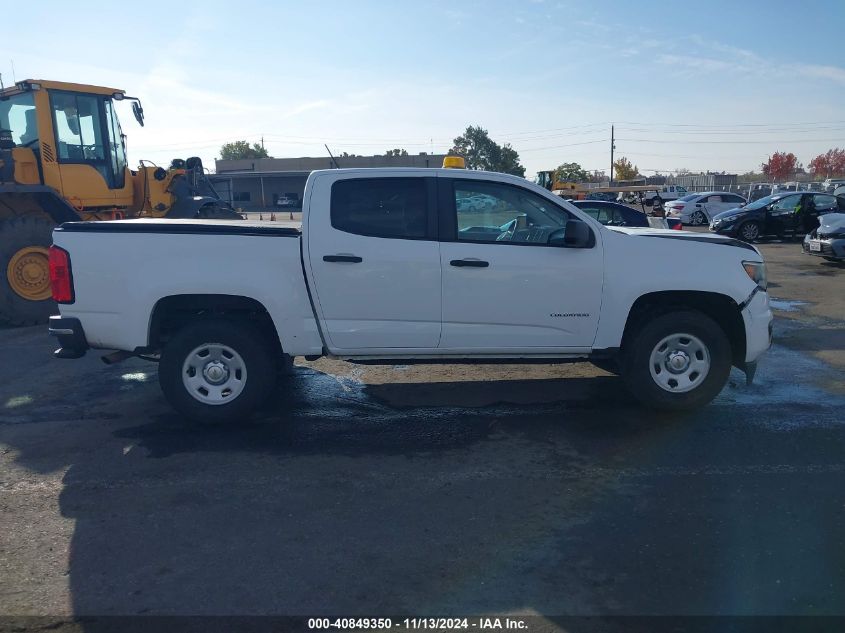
(257, 184)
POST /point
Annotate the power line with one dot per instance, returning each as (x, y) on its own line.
(734, 142)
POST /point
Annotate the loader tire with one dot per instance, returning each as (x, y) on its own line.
(25, 297)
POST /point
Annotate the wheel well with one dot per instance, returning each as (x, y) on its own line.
(721, 308)
(170, 314)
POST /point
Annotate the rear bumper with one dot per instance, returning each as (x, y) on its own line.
(72, 342)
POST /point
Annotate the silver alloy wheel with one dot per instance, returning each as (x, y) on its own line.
(749, 231)
(698, 218)
(214, 373)
(679, 363)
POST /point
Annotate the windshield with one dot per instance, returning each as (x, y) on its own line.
(759, 204)
(688, 198)
(17, 114)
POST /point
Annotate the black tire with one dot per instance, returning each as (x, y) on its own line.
(249, 343)
(610, 365)
(636, 360)
(15, 234)
(749, 231)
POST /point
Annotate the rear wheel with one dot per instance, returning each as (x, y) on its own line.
(678, 361)
(217, 371)
(25, 294)
(698, 218)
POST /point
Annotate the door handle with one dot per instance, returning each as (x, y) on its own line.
(352, 259)
(475, 263)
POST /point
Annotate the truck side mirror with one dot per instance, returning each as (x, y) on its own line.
(576, 235)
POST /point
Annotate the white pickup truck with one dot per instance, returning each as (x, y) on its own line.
(388, 268)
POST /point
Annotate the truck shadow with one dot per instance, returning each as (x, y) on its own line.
(333, 501)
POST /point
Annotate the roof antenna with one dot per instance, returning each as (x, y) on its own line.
(334, 160)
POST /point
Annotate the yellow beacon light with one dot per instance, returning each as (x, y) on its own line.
(454, 162)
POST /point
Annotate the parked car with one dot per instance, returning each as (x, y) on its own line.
(758, 190)
(698, 209)
(662, 194)
(839, 191)
(289, 201)
(828, 240)
(791, 213)
(612, 213)
(386, 269)
(615, 214)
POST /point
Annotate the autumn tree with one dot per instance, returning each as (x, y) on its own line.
(624, 170)
(481, 152)
(571, 172)
(781, 165)
(242, 149)
(829, 164)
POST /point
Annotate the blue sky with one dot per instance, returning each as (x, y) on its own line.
(717, 85)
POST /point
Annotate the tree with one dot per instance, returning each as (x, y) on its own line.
(624, 170)
(571, 172)
(829, 164)
(751, 176)
(682, 171)
(396, 152)
(781, 165)
(241, 149)
(481, 152)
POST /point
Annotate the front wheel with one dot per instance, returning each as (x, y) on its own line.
(749, 231)
(216, 371)
(678, 361)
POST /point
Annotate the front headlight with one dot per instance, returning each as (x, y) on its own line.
(757, 273)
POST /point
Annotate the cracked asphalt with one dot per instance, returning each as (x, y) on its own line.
(440, 490)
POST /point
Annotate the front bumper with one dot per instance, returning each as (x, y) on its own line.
(830, 247)
(71, 337)
(724, 228)
(757, 316)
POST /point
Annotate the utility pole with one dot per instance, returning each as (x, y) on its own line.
(262, 141)
(612, 147)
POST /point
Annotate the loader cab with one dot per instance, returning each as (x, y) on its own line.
(76, 137)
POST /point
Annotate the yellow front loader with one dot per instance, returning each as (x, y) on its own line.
(62, 159)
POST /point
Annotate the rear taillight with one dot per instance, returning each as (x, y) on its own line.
(61, 278)
(678, 207)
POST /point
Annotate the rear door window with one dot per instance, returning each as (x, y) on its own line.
(825, 203)
(381, 207)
